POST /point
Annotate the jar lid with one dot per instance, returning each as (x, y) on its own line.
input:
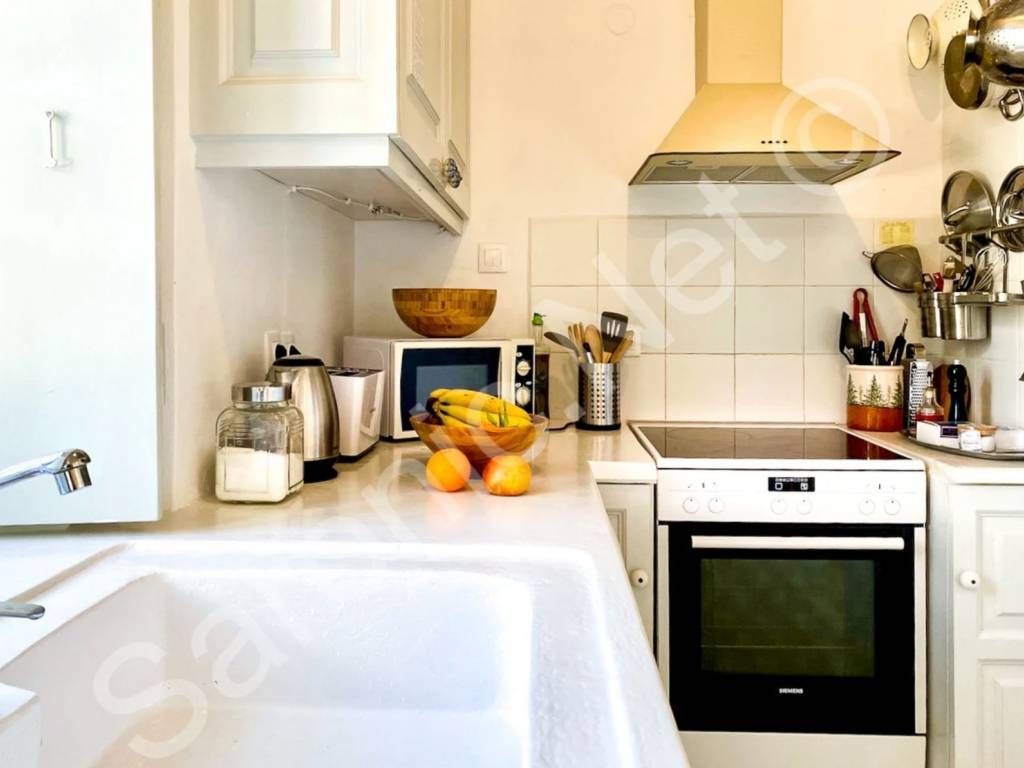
(260, 392)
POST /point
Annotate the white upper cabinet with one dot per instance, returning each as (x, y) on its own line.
(363, 99)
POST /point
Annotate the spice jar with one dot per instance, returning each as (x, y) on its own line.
(259, 445)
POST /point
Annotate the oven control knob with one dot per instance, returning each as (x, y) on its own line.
(639, 578)
(779, 506)
(691, 505)
(523, 368)
(523, 396)
(804, 506)
(867, 507)
(892, 507)
(716, 505)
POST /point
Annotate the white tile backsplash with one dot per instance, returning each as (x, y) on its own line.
(645, 307)
(823, 311)
(769, 387)
(563, 251)
(700, 319)
(769, 320)
(631, 251)
(770, 251)
(700, 252)
(739, 318)
(825, 388)
(562, 306)
(643, 387)
(700, 388)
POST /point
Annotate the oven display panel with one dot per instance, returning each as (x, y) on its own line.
(791, 484)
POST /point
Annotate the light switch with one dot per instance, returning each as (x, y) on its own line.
(492, 257)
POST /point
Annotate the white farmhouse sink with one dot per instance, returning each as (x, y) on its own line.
(320, 654)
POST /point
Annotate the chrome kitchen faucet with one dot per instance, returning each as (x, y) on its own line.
(70, 471)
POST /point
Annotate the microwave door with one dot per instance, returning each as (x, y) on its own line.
(424, 369)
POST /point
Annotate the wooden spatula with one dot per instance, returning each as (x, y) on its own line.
(593, 337)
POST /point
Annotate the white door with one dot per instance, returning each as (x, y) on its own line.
(988, 626)
(630, 510)
(423, 84)
(77, 256)
(458, 105)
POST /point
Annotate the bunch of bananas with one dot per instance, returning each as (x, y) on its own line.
(465, 407)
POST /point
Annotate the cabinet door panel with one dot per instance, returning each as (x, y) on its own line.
(423, 84)
(265, 67)
(630, 511)
(988, 625)
(1002, 715)
(458, 104)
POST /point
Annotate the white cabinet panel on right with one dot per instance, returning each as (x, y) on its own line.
(988, 625)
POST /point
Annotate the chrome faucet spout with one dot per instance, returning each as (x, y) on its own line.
(69, 470)
(21, 611)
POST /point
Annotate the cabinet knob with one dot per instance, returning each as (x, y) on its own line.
(639, 578)
(451, 173)
(969, 580)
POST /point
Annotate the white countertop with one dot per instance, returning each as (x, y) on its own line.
(383, 498)
(952, 468)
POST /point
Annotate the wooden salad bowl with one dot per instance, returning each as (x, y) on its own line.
(444, 313)
(479, 444)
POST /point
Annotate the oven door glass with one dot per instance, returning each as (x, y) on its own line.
(425, 369)
(792, 628)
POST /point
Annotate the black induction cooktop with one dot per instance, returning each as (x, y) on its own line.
(772, 443)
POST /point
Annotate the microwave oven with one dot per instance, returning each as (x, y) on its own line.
(413, 368)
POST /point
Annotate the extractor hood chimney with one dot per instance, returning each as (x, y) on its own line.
(744, 126)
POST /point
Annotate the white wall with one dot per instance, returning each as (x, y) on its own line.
(568, 99)
(238, 256)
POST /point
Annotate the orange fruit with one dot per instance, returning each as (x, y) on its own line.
(448, 470)
(507, 475)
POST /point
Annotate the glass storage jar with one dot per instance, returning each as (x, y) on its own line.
(259, 444)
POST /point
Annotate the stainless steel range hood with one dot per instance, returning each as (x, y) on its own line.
(744, 126)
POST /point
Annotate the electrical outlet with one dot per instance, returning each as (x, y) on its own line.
(270, 341)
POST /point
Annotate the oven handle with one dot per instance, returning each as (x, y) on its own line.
(871, 543)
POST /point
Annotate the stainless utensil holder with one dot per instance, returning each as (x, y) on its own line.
(599, 396)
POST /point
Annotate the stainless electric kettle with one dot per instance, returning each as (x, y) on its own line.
(312, 394)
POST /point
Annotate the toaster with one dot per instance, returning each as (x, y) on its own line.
(558, 374)
(359, 393)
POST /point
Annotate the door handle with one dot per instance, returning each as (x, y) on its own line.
(53, 117)
(969, 580)
(639, 578)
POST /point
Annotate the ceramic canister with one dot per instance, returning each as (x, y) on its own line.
(874, 397)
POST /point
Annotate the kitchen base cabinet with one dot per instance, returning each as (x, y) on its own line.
(364, 100)
(976, 626)
(630, 511)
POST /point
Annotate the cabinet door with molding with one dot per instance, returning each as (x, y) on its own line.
(630, 510)
(425, 77)
(292, 67)
(988, 626)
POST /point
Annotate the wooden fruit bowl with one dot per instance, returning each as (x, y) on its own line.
(444, 313)
(479, 444)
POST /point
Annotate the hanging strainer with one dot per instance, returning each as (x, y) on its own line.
(898, 267)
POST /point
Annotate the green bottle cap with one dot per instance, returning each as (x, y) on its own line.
(538, 319)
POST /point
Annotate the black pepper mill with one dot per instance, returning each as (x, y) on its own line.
(957, 377)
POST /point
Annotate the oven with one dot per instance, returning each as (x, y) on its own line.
(793, 628)
(413, 368)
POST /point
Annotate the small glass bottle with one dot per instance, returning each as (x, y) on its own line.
(929, 410)
(537, 326)
(259, 445)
